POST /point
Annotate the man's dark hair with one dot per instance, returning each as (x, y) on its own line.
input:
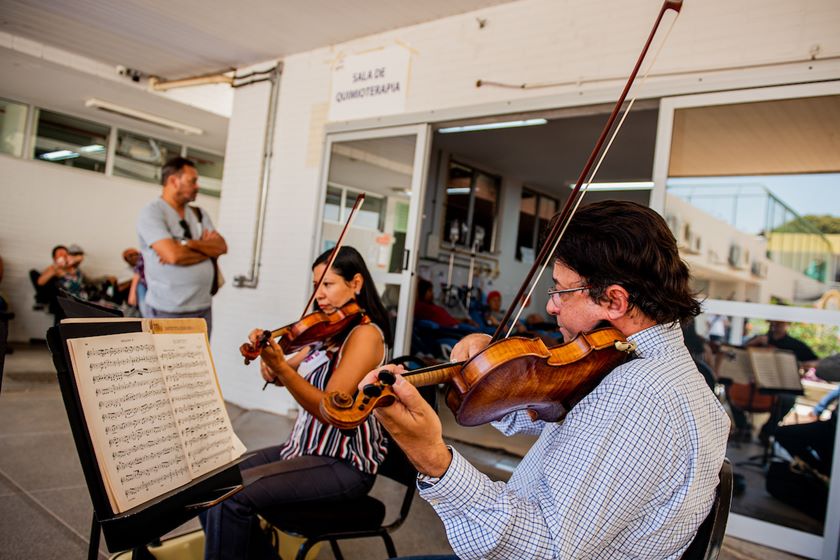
(347, 264)
(173, 166)
(624, 243)
(57, 248)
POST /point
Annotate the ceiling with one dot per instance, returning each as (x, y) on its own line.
(760, 138)
(547, 157)
(189, 37)
(65, 90)
(551, 156)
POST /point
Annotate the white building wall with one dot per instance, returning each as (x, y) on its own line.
(531, 41)
(44, 204)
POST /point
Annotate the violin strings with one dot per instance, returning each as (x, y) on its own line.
(591, 178)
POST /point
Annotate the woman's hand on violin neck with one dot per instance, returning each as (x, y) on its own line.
(469, 346)
(413, 424)
(274, 360)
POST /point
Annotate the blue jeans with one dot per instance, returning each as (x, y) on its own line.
(206, 314)
(232, 528)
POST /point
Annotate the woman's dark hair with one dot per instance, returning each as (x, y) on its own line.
(347, 264)
(624, 243)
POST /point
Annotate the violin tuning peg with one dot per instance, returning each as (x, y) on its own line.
(386, 377)
(371, 390)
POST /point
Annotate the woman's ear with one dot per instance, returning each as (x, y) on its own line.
(616, 301)
(356, 283)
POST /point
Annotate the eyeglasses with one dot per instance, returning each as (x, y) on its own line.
(186, 227)
(555, 294)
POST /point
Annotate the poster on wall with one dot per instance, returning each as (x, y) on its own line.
(370, 84)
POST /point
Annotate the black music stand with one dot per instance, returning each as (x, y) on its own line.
(776, 373)
(135, 528)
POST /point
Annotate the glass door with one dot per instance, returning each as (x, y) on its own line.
(388, 166)
(747, 183)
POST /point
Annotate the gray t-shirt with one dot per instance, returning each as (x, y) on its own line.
(173, 288)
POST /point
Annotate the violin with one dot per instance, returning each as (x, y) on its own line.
(316, 329)
(515, 373)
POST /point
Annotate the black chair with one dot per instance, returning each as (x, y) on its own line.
(44, 295)
(709, 538)
(360, 518)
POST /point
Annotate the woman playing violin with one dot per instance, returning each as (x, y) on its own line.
(317, 462)
(631, 471)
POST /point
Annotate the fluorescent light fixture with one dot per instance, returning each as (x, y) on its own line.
(92, 149)
(627, 186)
(59, 155)
(458, 190)
(142, 116)
(491, 126)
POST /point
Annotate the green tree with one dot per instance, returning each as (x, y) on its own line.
(825, 223)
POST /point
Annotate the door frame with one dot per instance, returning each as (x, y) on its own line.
(827, 545)
(405, 278)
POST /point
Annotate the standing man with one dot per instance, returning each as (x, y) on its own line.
(631, 471)
(177, 242)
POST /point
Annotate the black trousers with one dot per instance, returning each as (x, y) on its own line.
(232, 527)
(812, 442)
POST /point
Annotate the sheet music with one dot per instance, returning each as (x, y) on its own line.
(129, 417)
(734, 364)
(203, 423)
(774, 369)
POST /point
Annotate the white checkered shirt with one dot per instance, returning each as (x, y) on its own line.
(630, 473)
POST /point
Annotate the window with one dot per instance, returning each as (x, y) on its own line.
(140, 157)
(210, 170)
(70, 141)
(12, 127)
(340, 201)
(535, 212)
(472, 201)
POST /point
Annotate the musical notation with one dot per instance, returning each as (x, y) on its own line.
(154, 410)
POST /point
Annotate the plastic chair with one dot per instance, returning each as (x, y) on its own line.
(709, 538)
(360, 518)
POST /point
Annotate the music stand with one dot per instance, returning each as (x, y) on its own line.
(135, 528)
(75, 308)
(776, 373)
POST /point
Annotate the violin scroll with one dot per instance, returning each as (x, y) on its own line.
(343, 411)
(252, 351)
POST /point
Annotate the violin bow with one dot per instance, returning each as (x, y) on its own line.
(559, 227)
(356, 205)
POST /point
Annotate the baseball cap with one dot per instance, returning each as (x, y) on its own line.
(75, 250)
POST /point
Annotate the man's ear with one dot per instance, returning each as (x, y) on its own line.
(616, 301)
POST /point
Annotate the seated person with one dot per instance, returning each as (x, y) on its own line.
(777, 337)
(594, 485)
(318, 462)
(62, 274)
(425, 309)
(813, 442)
(123, 288)
(4, 304)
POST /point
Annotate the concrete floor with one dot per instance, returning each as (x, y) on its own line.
(45, 509)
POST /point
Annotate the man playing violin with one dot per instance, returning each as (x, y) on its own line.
(632, 469)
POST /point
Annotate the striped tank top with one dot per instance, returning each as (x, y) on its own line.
(364, 448)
